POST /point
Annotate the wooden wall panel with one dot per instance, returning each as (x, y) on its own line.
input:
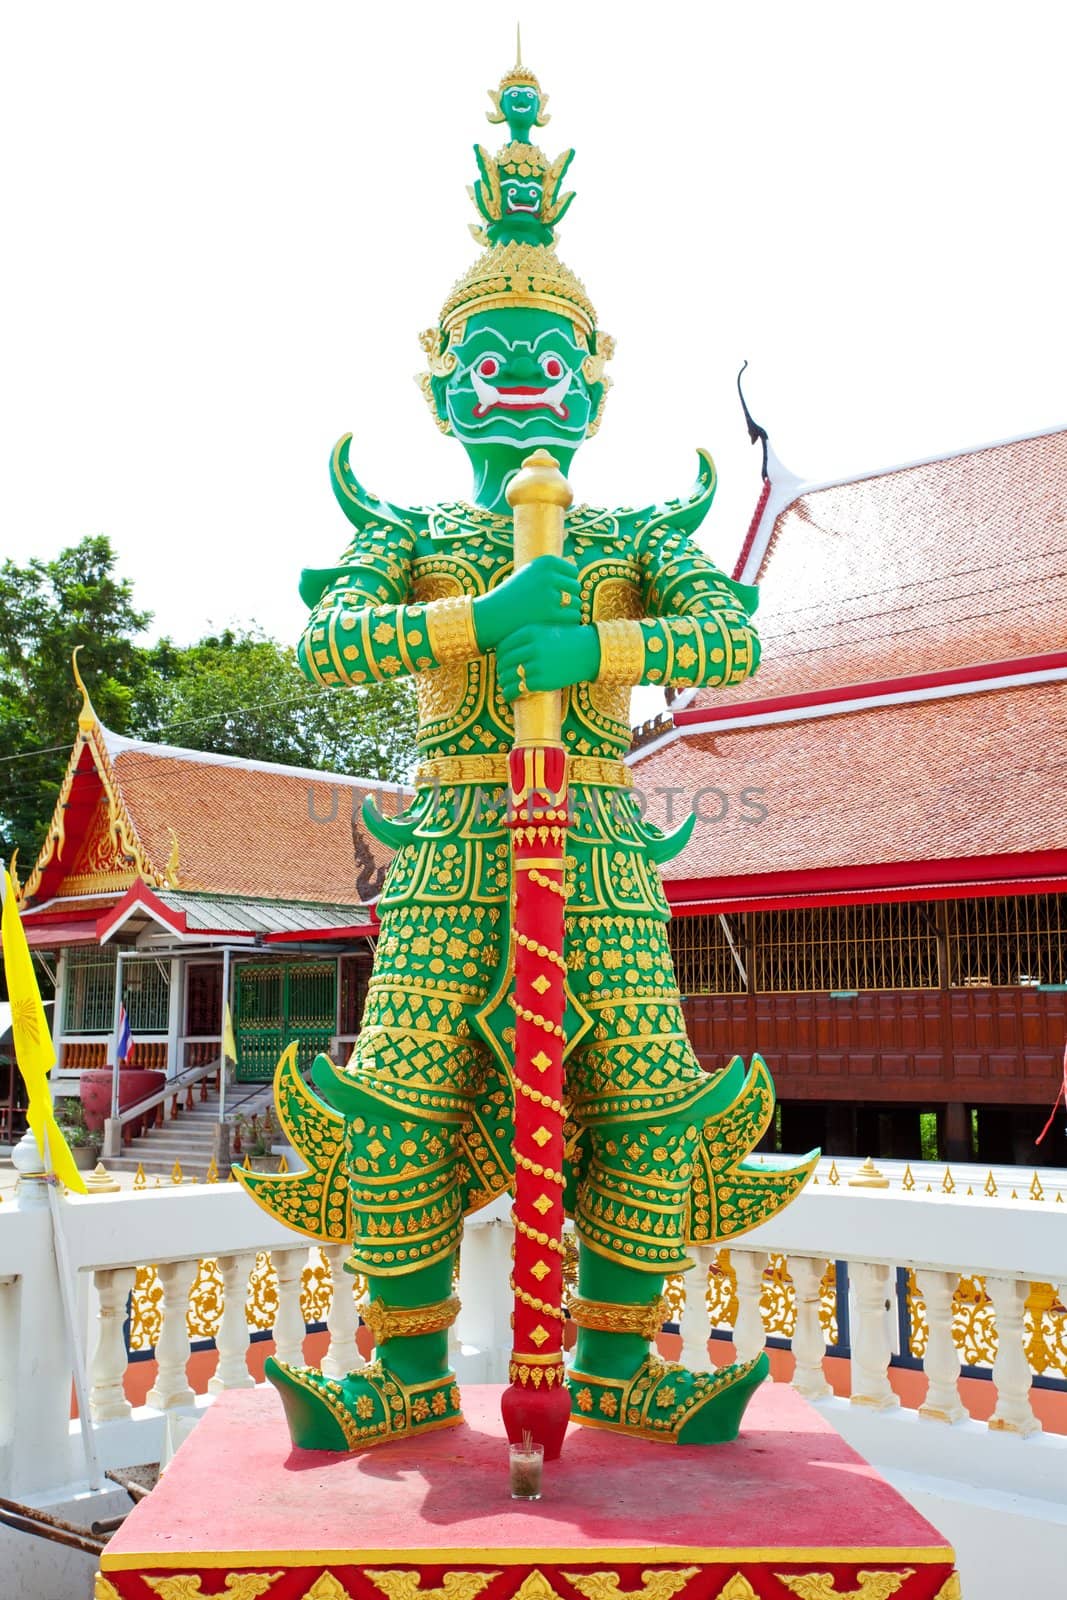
(925, 1045)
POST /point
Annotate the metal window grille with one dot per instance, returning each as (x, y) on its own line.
(843, 948)
(89, 991)
(146, 992)
(999, 942)
(703, 960)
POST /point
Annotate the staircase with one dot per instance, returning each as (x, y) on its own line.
(189, 1138)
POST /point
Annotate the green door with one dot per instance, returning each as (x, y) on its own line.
(281, 1003)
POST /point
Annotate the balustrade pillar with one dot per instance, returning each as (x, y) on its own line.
(342, 1319)
(232, 1338)
(107, 1397)
(1011, 1370)
(172, 1347)
(809, 1340)
(289, 1327)
(871, 1345)
(941, 1362)
(693, 1322)
(749, 1335)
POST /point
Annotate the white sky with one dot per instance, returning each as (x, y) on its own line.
(226, 223)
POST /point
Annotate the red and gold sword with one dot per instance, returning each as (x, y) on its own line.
(537, 1402)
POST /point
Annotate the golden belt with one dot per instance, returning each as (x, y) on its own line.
(493, 769)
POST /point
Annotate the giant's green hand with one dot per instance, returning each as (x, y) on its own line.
(535, 658)
(546, 591)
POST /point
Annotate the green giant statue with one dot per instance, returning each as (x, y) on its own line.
(416, 1129)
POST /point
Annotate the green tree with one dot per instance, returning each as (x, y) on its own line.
(238, 692)
(241, 693)
(47, 608)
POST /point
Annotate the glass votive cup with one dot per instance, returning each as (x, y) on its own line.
(524, 1467)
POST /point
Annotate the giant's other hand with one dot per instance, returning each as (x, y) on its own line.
(546, 591)
(534, 658)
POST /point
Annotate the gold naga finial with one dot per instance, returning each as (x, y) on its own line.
(173, 861)
(87, 717)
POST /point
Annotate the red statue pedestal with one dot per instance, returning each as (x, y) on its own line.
(619, 1518)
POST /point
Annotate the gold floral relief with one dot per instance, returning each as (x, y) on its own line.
(327, 1587)
(655, 1585)
(205, 1302)
(821, 1585)
(974, 1329)
(146, 1309)
(721, 1293)
(456, 1585)
(674, 1294)
(737, 1588)
(778, 1299)
(239, 1585)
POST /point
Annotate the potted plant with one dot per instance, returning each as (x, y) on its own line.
(84, 1144)
(254, 1138)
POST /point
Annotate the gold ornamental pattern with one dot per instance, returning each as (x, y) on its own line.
(206, 1298)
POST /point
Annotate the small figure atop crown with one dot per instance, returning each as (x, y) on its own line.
(517, 192)
(519, 101)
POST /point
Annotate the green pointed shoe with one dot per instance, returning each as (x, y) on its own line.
(365, 1408)
(668, 1402)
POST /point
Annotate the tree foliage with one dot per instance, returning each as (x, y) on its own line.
(237, 692)
(47, 608)
(242, 693)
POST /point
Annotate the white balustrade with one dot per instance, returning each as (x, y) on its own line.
(872, 1346)
(941, 1362)
(232, 1338)
(342, 1319)
(1008, 1244)
(289, 1329)
(107, 1398)
(809, 1340)
(172, 1347)
(693, 1322)
(1011, 1370)
(749, 1334)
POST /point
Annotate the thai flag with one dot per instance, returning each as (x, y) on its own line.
(125, 1047)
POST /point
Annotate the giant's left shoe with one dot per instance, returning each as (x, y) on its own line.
(619, 1383)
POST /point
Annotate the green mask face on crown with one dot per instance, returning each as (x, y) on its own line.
(516, 360)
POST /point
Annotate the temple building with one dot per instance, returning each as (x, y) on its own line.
(874, 895)
(178, 865)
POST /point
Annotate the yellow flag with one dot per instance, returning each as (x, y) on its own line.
(229, 1043)
(34, 1050)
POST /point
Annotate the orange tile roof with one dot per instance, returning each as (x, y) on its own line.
(973, 775)
(251, 828)
(945, 564)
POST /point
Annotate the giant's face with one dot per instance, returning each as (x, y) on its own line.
(521, 105)
(518, 380)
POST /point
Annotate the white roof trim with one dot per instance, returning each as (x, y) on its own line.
(797, 489)
(118, 743)
(852, 703)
